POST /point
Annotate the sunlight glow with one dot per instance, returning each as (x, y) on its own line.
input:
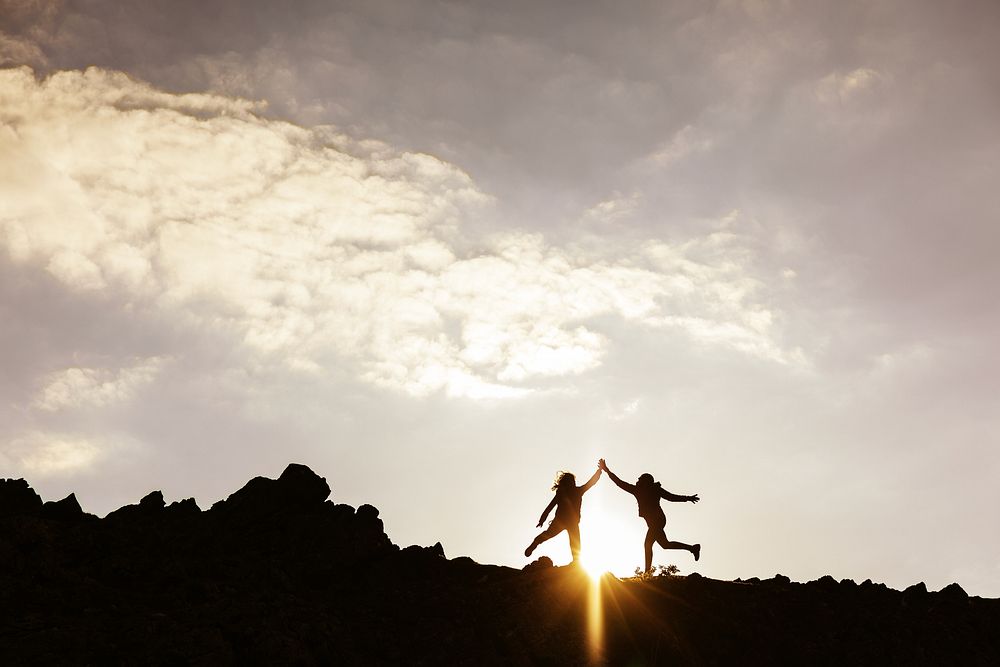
(610, 540)
(595, 621)
(596, 563)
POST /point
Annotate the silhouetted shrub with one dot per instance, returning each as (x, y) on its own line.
(659, 571)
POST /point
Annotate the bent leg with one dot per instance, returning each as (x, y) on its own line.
(661, 539)
(547, 534)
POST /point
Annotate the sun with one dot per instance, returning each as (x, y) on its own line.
(607, 544)
(595, 566)
(610, 536)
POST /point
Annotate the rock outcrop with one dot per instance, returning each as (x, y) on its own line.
(277, 573)
(298, 489)
(17, 498)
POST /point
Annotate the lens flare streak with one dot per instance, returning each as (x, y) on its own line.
(595, 621)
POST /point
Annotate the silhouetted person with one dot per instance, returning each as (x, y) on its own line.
(567, 501)
(647, 493)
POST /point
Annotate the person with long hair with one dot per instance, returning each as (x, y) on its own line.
(648, 493)
(567, 502)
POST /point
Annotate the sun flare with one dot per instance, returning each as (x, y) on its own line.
(596, 564)
(607, 543)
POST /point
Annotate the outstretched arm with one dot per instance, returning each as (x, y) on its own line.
(624, 486)
(674, 498)
(590, 482)
(548, 509)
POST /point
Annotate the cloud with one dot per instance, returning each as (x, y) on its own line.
(311, 248)
(44, 454)
(23, 26)
(615, 209)
(17, 51)
(305, 284)
(838, 88)
(685, 142)
(94, 387)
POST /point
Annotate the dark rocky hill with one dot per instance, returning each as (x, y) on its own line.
(278, 574)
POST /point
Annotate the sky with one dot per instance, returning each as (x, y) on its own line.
(440, 251)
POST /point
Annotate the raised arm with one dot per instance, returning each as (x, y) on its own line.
(548, 508)
(674, 498)
(624, 486)
(593, 480)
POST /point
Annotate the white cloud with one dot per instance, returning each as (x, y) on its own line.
(45, 454)
(76, 269)
(308, 244)
(839, 88)
(855, 103)
(687, 141)
(614, 209)
(95, 387)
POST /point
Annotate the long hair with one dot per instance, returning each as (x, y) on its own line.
(564, 480)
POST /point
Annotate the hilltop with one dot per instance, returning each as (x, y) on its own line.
(277, 573)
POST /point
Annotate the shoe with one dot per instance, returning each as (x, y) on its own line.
(527, 552)
(696, 551)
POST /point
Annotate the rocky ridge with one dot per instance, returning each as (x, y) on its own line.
(279, 574)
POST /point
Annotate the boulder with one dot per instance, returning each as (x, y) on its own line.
(953, 592)
(299, 485)
(826, 582)
(339, 512)
(185, 507)
(367, 521)
(541, 564)
(152, 502)
(16, 497)
(150, 506)
(914, 593)
(67, 509)
(869, 585)
(298, 489)
(367, 530)
(421, 560)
